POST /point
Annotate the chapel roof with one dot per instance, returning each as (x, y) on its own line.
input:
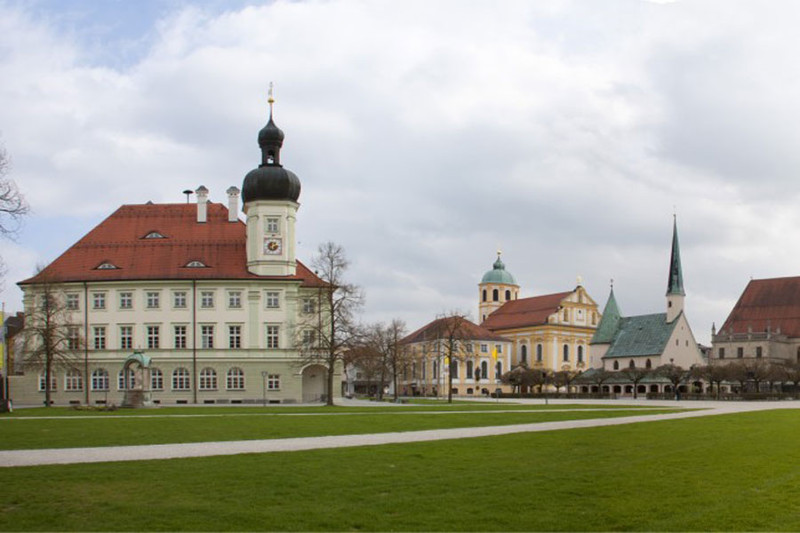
(641, 335)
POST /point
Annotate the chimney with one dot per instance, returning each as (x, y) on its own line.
(202, 200)
(233, 204)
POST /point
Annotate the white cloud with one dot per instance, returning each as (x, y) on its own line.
(428, 133)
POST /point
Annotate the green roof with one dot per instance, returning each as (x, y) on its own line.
(498, 274)
(675, 281)
(641, 335)
(608, 324)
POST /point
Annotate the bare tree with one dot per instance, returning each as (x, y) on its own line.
(564, 378)
(12, 204)
(738, 372)
(327, 333)
(791, 371)
(451, 340)
(385, 341)
(635, 375)
(675, 374)
(51, 339)
(714, 374)
(597, 376)
(758, 371)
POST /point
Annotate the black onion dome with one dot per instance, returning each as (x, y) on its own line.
(270, 181)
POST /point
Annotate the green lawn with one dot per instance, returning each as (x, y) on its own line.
(66, 430)
(733, 472)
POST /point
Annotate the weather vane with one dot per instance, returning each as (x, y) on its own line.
(271, 98)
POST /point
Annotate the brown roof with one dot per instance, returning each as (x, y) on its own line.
(441, 328)
(767, 303)
(525, 312)
(120, 241)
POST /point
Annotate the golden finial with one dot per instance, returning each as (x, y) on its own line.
(271, 98)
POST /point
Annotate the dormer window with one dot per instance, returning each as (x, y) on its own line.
(154, 235)
(195, 264)
(107, 266)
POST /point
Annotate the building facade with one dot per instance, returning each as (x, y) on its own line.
(550, 332)
(648, 341)
(764, 324)
(185, 303)
(474, 356)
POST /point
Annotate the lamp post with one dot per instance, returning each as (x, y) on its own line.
(264, 387)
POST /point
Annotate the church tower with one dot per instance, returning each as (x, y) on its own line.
(675, 292)
(496, 288)
(270, 194)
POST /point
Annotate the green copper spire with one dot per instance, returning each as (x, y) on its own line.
(609, 323)
(675, 282)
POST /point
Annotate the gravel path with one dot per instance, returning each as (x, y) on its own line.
(203, 449)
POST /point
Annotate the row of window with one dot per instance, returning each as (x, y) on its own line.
(179, 337)
(648, 364)
(152, 300)
(540, 352)
(482, 372)
(740, 352)
(180, 380)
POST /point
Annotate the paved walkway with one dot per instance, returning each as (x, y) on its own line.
(203, 449)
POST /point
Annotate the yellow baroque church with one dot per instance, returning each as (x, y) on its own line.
(551, 331)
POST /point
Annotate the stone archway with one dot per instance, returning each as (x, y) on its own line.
(314, 384)
(137, 395)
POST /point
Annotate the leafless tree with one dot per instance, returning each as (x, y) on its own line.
(450, 338)
(635, 375)
(713, 374)
(758, 371)
(12, 204)
(739, 373)
(564, 378)
(676, 375)
(325, 335)
(597, 376)
(775, 376)
(385, 341)
(51, 339)
(791, 372)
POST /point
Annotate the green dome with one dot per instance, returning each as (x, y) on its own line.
(498, 274)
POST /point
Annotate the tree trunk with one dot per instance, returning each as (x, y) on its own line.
(331, 370)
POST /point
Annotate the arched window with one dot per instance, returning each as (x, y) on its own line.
(523, 354)
(631, 364)
(235, 379)
(73, 381)
(539, 353)
(469, 369)
(454, 369)
(100, 379)
(484, 369)
(566, 316)
(648, 364)
(566, 353)
(495, 295)
(180, 379)
(156, 379)
(498, 370)
(208, 379)
(580, 353)
(508, 295)
(594, 318)
(616, 365)
(484, 295)
(121, 380)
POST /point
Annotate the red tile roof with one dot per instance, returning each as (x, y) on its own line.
(525, 312)
(767, 303)
(442, 327)
(119, 240)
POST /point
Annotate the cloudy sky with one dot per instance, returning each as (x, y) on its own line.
(427, 134)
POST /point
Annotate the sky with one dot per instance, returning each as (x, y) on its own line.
(427, 135)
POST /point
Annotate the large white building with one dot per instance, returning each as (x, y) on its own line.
(196, 305)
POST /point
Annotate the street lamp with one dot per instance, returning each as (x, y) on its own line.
(264, 387)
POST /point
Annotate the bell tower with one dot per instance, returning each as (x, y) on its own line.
(270, 194)
(497, 287)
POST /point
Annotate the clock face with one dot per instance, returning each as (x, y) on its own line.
(272, 246)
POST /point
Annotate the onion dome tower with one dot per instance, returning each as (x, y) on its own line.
(270, 194)
(497, 287)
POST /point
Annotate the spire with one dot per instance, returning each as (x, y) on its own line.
(608, 325)
(270, 138)
(675, 281)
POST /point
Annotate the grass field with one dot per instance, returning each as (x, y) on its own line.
(63, 428)
(731, 472)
